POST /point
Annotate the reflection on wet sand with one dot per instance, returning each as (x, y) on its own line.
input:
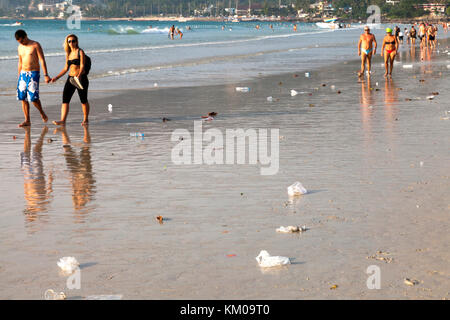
(367, 101)
(36, 189)
(81, 174)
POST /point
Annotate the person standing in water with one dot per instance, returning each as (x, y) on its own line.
(367, 46)
(77, 80)
(413, 35)
(171, 32)
(389, 50)
(28, 72)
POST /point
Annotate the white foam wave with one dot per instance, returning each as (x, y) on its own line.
(184, 45)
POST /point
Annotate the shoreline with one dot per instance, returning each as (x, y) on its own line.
(224, 19)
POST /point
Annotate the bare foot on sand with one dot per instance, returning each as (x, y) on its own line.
(59, 123)
(85, 123)
(44, 118)
(24, 124)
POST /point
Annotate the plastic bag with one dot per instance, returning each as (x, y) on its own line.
(68, 264)
(243, 89)
(265, 260)
(296, 189)
(291, 229)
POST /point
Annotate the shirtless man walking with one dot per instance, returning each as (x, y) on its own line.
(365, 41)
(30, 54)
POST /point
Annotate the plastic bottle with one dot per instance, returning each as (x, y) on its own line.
(242, 89)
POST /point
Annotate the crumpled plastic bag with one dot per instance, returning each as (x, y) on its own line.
(291, 229)
(68, 264)
(296, 189)
(265, 260)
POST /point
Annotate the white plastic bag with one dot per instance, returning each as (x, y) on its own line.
(266, 261)
(294, 93)
(68, 264)
(296, 189)
(243, 89)
(291, 229)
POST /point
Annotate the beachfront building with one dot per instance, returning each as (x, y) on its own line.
(392, 2)
(323, 8)
(433, 7)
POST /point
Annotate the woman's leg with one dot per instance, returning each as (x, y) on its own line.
(386, 63)
(68, 92)
(86, 108)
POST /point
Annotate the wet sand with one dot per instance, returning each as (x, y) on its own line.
(376, 164)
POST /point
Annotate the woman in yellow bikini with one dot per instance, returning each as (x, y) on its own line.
(389, 50)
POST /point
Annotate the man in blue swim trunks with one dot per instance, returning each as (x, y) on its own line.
(30, 54)
(368, 45)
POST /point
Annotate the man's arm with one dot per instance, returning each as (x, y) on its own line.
(359, 46)
(19, 67)
(42, 60)
(374, 45)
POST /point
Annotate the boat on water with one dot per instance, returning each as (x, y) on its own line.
(329, 24)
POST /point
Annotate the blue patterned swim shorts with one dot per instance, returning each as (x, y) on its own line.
(28, 86)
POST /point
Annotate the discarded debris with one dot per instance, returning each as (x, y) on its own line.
(231, 255)
(160, 219)
(307, 74)
(294, 93)
(270, 99)
(165, 119)
(14, 137)
(410, 282)
(339, 92)
(242, 89)
(68, 264)
(52, 295)
(430, 97)
(296, 189)
(136, 134)
(407, 66)
(265, 260)
(435, 93)
(49, 140)
(110, 107)
(291, 229)
(334, 286)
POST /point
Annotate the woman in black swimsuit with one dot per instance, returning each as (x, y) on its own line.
(75, 64)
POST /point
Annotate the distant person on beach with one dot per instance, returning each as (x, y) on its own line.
(422, 33)
(295, 27)
(30, 55)
(172, 32)
(178, 32)
(271, 27)
(389, 50)
(367, 46)
(413, 35)
(76, 81)
(431, 36)
(407, 35)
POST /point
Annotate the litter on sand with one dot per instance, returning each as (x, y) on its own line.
(296, 189)
(410, 282)
(291, 229)
(242, 89)
(294, 93)
(270, 99)
(52, 295)
(68, 264)
(110, 107)
(307, 74)
(430, 97)
(155, 85)
(407, 66)
(136, 134)
(265, 260)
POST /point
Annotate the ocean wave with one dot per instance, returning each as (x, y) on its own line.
(181, 45)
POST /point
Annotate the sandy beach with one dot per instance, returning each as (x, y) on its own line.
(373, 154)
